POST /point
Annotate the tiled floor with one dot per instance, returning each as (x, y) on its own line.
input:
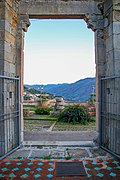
(40, 168)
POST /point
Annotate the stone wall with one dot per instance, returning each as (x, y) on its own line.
(8, 67)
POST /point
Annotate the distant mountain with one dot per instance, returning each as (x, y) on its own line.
(77, 91)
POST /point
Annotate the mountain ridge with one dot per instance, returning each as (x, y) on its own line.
(77, 91)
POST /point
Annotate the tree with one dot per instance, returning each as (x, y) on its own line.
(74, 114)
(92, 98)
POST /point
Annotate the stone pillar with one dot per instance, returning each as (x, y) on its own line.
(100, 70)
(97, 23)
(23, 25)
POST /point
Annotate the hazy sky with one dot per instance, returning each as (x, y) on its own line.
(58, 51)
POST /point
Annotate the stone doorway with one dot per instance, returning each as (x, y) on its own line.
(102, 17)
(47, 132)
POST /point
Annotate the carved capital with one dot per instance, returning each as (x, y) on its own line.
(25, 23)
(96, 22)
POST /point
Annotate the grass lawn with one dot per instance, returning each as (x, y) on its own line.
(41, 117)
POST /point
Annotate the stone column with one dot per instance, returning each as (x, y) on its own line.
(23, 25)
(97, 23)
(100, 70)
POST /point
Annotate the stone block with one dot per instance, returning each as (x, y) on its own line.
(117, 54)
(109, 68)
(10, 57)
(108, 5)
(2, 35)
(110, 56)
(117, 67)
(106, 33)
(109, 44)
(8, 15)
(60, 8)
(116, 41)
(1, 66)
(116, 27)
(116, 16)
(2, 24)
(1, 46)
(7, 26)
(12, 69)
(10, 38)
(110, 29)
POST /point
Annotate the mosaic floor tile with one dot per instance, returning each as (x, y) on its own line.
(94, 163)
(97, 168)
(21, 158)
(50, 169)
(85, 163)
(4, 169)
(100, 175)
(115, 162)
(15, 169)
(49, 175)
(37, 176)
(12, 175)
(88, 175)
(18, 163)
(104, 162)
(62, 158)
(31, 158)
(7, 163)
(52, 159)
(39, 169)
(108, 168)
(112, 174)
(1, 175)
(40, 164)
(51, 163)
(45, 169)
(87, 169)
(27, 169)
(24, 175)
(30, 163)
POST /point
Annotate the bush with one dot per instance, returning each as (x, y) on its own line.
(43, 110)
(74, 114)
(26, 112)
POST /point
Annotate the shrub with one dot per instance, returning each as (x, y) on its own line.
(26, 112)
(74, 114)
(43, 110)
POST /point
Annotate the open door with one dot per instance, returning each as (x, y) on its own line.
(9, 114)
(110, 115)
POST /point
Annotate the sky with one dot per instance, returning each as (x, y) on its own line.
(58, 51)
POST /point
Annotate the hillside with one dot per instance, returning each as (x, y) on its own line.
(77, 91)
